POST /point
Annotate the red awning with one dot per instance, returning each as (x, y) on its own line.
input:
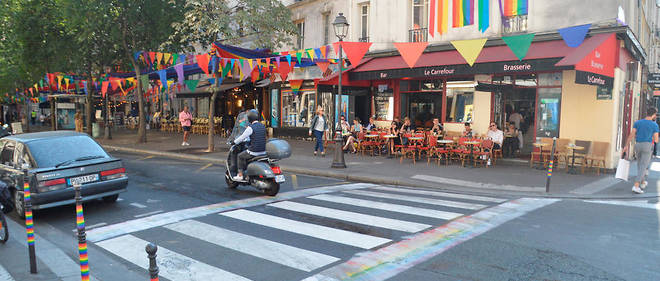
(596, 55)
(538, 50)
(345, 81)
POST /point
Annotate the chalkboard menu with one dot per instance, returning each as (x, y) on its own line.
(603, 93)
(384, 106)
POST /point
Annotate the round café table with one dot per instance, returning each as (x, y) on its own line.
(472, 144)
(390, 138)
(540, 146)
(574, 147)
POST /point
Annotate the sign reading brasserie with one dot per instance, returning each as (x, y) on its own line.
(462, 69)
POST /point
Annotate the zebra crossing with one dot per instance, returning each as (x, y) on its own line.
(292, 237)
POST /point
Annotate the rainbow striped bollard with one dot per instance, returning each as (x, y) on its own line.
(82, 243)
(151, 249)
(552, 161)
(29, 222)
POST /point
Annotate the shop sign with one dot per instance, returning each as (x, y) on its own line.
(601, 60)
(528, 66)
(654, 79)
(588, 78)
(603, 93)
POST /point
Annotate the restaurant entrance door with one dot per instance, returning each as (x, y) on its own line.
(518, 105)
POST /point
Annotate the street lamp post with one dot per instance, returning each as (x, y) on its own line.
(341, 29)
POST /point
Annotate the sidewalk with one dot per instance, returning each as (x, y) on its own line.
(505, 178)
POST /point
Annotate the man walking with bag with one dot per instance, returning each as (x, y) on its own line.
(645, 132)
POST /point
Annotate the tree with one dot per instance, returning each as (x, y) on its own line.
(143, 25)
(263, 23)
(91, 26)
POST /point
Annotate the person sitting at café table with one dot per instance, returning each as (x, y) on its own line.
(355, 129)
(371, 125)
(468, 130)
(437, 127)
(406, 128)
(345, 132)
(394, 130)
(496, 135)
(511, 142)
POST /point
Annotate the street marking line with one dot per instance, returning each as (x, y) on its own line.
(317, 231)
(294, 181)
(596, 186)
(171, 265)
(130, 226)
(473, 184)
(148, 214)
(87, 228)
(146, 157)
(393, 259)
(636, 203)
(453, 204)
(4, 275)
(370, 220)
(286, 255)
(440, 194)
(205, 166)
(138, 205)
(388, 207)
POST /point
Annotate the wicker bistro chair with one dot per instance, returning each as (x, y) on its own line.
(429, 147)
(561, 152)
(460, 150)
(485, 153)
(580, 155)
(598, 155)
(409, 149)
(537, 152)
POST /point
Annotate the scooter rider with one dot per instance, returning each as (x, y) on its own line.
(256, 132)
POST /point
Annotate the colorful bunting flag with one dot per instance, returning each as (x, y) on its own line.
(469, 49)
(191, 84)
(179, 72)
(299, 57)
(104, 88)
(295, 85)
(410, 52)
(163, 77)
(310, 53)
(484, 15)
(284, 70)
(519, 44)
(323, 65)
(574, 36)
(355, 51)
(203, 62)
(324, 51)
(166, 58)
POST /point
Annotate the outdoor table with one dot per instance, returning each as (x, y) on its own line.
(472, 144)
(370, 136)
(445, 143)
(389, 138)
(574, 148)
(540, 145)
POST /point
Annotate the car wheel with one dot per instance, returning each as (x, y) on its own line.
(111, 198)
(273, 188)
(19, 204)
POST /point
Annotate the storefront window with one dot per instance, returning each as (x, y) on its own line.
(526, 80)
(550, 79)
(460, 106)
(549, 105)
(298, 108)
(325, 101)
(421, 100)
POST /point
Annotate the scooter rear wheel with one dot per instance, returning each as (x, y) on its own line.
(273, 188)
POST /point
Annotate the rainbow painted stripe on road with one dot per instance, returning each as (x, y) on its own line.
(29, 222)
(389, 261)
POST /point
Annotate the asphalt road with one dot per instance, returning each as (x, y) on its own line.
(320, 228)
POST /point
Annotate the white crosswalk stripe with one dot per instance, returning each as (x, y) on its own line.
(388, 207)
(454, 204)
(351, 216)
(4, 275)
(308, 229)
(440, 194)
(279, 253)
(172, 265)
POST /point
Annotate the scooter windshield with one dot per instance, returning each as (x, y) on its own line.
(239, 126)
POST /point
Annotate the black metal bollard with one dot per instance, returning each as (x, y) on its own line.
(82, 238)
(151, 249)
(550, 165)
(29, 222)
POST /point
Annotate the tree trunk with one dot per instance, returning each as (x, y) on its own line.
(142, 124)
(53, 114)
(88, 104)
(212, 121)
(28, 115)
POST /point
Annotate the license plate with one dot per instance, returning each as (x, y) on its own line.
(279, 178)
(83, 179)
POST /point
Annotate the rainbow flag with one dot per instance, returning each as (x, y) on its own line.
(514, 7)
(463, 13)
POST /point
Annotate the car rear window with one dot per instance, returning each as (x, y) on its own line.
(53, 151)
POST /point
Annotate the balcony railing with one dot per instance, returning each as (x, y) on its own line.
(418, 35)
(364, 39)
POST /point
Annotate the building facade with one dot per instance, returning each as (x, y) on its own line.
(592, 92)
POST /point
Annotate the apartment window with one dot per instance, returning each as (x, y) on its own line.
(326, 28)
(364, 23)
(300, 26)
(514, 24)
(420, 11)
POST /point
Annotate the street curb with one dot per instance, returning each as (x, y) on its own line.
(385, 181)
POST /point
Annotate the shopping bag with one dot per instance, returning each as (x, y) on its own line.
(622, 169)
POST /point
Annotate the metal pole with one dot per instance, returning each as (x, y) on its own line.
(338, 161)
(29, 222)
(82, 243)
(551, 164)
(151, 249)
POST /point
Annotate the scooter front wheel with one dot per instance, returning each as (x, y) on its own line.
(230, 183)
(273, 188)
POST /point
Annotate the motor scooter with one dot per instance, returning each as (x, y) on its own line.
(262, 172)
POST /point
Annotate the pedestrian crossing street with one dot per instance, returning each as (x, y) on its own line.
(288, 237)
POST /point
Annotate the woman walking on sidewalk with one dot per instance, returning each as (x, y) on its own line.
(319, 126)
(186, 121)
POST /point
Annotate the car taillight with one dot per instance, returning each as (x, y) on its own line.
(113, 171)
(50, 185)
(276, 170)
